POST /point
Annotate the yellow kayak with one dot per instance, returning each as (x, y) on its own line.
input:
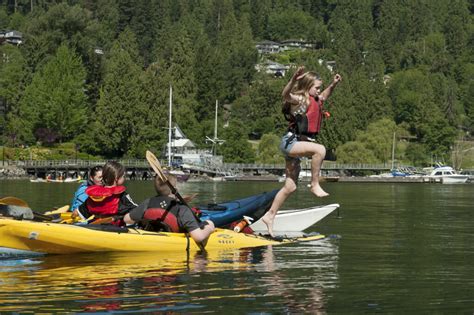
(29, 237)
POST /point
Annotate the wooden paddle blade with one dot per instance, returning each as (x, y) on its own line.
(63, 209)
(13, 201)
(155, 165)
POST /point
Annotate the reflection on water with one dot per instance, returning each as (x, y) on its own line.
(146, 282)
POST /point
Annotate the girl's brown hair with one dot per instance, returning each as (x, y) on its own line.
(111, 172)
(302, 87)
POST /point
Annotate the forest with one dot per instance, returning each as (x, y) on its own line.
(95, 75)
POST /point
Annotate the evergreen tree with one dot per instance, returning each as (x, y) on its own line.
(268, 150)
(55, 100)
(119, 110)
(12, 75)
(177, 60)
(236, 148)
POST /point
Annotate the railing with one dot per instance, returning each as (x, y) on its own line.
(225, 167)
(73, 163)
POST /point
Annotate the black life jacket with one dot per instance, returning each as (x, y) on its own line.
(158, 215)
(308, 123)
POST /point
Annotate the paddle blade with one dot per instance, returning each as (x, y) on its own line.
(13, 201)
(155, 165)
(63, 209)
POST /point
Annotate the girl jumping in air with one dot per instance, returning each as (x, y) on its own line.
(303, 108)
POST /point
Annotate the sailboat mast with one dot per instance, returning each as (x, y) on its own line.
(170, 126)
(215, 123)
(393, 152)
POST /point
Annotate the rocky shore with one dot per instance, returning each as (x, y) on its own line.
(12, 172)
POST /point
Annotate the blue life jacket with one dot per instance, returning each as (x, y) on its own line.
(80, 196)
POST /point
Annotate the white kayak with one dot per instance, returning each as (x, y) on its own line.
(295, 220)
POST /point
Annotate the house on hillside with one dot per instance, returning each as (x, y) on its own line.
(295, 44)
(11, 37)
(267, 47)
(270, 47)
(272, 67)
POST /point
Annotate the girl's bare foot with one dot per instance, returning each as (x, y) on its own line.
(268, 220)
(318, 191)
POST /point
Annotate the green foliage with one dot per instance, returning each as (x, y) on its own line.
(409, 62)
(55, 99)
(355, 152)
(416, 154)
(119, 110)
(290, 24)
(268, 150)
(236, 148)
(374, 144)
(12, 75)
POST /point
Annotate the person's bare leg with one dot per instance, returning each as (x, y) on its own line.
(317, 152)
(316, 163)
(292, 172)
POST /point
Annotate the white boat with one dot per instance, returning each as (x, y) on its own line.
(470, 174)
(295, 220)
(37, 180)
(447, 175)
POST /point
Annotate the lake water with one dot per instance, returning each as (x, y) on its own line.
(393, 248)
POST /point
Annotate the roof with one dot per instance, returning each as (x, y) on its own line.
(268, 42)
(179, 143)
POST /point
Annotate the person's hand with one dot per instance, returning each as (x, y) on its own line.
(298, 74)
(337, 78)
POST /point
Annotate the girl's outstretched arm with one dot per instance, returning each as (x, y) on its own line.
(328, 91)
(286, 94)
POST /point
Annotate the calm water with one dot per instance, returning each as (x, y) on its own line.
(397, 248)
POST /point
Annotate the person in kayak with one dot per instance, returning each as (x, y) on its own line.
(167, 211)
(303, 108)
(80, 196)
(110, 200)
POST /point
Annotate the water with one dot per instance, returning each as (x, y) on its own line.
(395, 248)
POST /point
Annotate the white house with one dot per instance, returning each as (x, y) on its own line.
(272, 67)
(268, 47)
(11, 37)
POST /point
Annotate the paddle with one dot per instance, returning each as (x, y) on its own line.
(13, 201)
(156, 166)
(63, 209)
(17, 202)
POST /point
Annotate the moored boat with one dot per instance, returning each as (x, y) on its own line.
(447, 175)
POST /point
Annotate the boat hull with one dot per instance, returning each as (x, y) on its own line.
(23, 236)
(235, 210)
(457, 179)
(296, 220)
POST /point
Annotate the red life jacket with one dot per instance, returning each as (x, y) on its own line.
(309, 123)
(159, 214)
(102, 200)
(167, 220)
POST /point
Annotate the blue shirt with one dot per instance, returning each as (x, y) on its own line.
(80, 196)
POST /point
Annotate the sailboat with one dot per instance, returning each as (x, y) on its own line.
(182, 152)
